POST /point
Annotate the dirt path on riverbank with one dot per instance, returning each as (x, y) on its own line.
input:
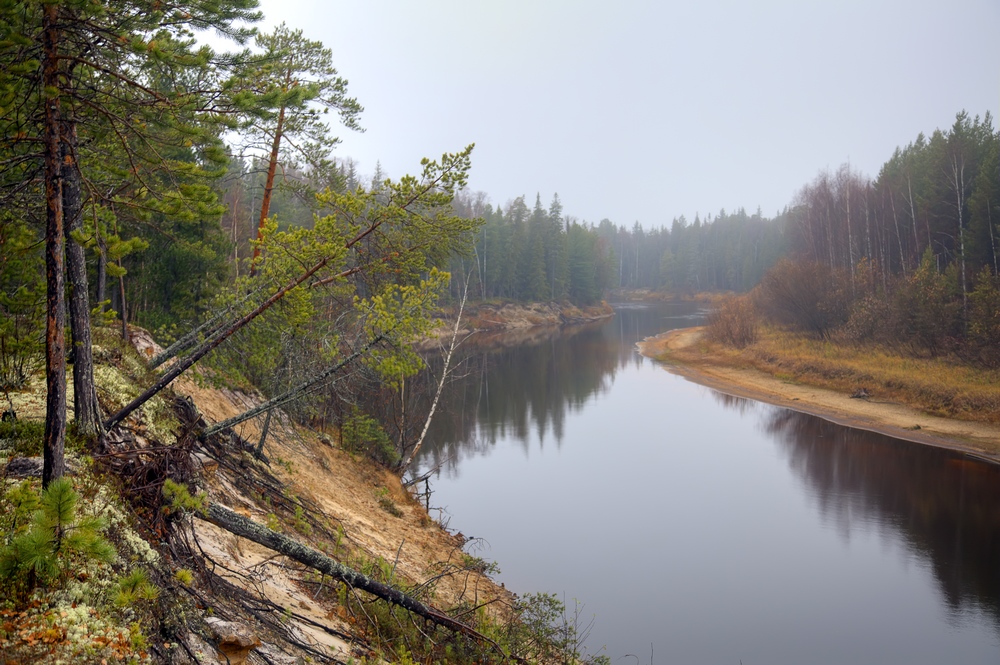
(683, 354)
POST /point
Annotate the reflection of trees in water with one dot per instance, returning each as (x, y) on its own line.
(741, 405)
(507, 391)
(516, 382)
(945, 506)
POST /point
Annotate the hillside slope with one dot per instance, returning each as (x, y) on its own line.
(224, 597)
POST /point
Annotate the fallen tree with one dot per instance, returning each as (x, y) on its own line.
(209, 329)
(293, 394)
(245, 527)
(387, 232)
(185, 363)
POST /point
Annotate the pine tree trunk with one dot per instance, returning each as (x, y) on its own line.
(54, 440)
(124, 305)
(246, 528)
(85, 408)
(102, 268)
(265, 206)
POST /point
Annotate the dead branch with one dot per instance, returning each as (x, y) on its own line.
(444, 376)
(295, 392)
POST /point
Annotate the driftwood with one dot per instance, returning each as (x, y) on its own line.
(246, 528)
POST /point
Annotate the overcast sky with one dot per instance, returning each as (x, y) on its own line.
(643, 111)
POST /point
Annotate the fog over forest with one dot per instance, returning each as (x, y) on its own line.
(305, 204)
(643, 111)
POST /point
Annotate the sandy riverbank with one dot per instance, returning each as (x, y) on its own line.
(682, 354)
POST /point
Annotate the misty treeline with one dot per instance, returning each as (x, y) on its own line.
(537, 253)
(908, 258)
(142, 175)
(148, 179)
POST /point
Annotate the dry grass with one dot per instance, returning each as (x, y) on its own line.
(937, 386)
(734, 322)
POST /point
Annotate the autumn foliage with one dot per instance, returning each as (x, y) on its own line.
(734, 322)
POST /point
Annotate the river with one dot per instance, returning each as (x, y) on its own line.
(696, 527)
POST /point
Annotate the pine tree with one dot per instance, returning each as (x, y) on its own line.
(295, 79)
(984, 204)
(84, 72)
(44, 550)
(556, 256)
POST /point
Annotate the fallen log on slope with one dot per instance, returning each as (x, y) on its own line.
(244, 527)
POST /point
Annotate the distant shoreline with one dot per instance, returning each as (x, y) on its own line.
(679, 352)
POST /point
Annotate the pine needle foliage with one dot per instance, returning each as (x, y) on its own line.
(360, 433)
(133, 587)
(55, 537)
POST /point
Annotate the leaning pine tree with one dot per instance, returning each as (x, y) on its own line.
(377, 251)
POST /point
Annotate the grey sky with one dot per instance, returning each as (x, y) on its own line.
(643, 111)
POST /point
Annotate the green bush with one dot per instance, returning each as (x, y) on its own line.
(362, 434)
(925, 313)
(867, 321)
(41, 551)
(984, 319)
(22, 437)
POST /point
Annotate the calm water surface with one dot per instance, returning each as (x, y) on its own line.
(696, 527)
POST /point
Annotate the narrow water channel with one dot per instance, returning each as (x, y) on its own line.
(695, 527)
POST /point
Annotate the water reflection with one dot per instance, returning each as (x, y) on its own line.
(515, 382)
(940, 505)
(741, 405)
(758, 534)
(511, 385)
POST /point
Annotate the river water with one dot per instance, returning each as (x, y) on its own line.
(696, 527)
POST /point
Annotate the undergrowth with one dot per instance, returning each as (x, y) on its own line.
(74, 584)
(534, 628)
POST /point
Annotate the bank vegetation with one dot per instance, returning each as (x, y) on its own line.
(890, 285)
(910, 344)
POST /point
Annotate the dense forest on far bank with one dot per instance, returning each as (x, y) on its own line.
(168, 223)
(907, 261)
